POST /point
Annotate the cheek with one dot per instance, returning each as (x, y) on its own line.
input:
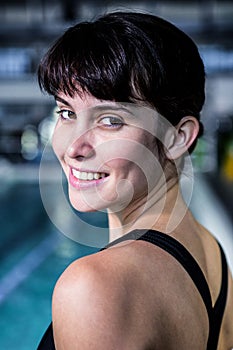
(135, 155)
(59, 142)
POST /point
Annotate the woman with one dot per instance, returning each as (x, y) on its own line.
(129, 89)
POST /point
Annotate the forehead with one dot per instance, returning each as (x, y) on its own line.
(78, 99)
(89, 102)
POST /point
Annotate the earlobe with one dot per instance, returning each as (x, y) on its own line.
(180, 138)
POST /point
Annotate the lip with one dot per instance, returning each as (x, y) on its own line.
(84, 184)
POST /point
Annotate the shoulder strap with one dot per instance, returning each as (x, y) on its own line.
(179, 252)
(219, 307)
(47, 342)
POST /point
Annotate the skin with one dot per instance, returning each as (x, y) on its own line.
(133, 295)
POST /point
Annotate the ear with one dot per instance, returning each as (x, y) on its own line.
(180, 138)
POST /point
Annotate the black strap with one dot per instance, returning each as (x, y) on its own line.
(47, 342)
(179, 252)
(219, 307)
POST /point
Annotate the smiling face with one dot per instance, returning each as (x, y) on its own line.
(106, 151)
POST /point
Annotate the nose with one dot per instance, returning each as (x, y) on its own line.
(81, 147)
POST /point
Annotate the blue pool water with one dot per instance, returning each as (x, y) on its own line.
(33, 254)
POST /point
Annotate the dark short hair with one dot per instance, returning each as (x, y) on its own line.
(128, 57)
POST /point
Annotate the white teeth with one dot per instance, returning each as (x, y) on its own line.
(90, 176)
(83, 175)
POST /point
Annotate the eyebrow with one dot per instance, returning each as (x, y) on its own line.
(57, 98)
(98, 107)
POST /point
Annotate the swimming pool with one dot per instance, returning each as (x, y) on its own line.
(33, 254)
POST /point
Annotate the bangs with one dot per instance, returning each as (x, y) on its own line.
(128, 57)
(87, 60)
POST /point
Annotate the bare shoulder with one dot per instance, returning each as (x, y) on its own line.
(124, 298)
(91, 304)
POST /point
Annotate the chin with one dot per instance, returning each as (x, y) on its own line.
(85, 205)
(82, 206)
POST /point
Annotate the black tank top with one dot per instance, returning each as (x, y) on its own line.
(180, 253)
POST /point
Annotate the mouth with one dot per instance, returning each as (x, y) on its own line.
(88, 175)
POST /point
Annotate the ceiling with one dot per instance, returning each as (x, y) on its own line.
(32, 21)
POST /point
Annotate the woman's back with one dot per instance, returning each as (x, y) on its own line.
(158, 305)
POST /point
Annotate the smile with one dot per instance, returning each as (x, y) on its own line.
(87, 176)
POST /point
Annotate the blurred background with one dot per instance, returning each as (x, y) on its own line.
(33, 251)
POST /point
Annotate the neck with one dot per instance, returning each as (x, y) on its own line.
(163, 210)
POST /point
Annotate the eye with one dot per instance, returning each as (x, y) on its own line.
(111, 122)
(66, 114)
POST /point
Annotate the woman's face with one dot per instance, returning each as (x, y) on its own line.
(106, 151)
